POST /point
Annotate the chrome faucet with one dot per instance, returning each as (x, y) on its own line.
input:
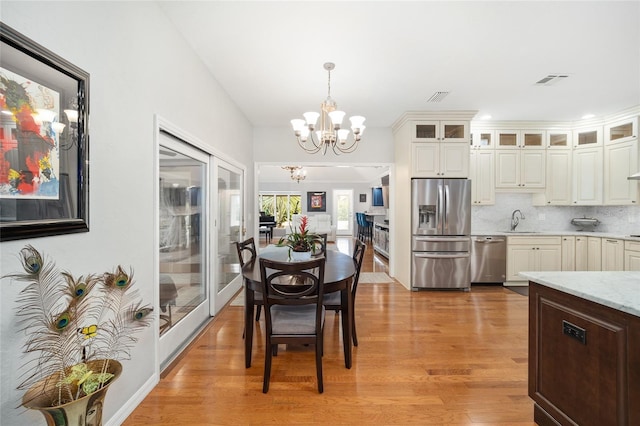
(514, 219)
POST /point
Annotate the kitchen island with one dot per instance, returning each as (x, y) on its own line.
(584, 347)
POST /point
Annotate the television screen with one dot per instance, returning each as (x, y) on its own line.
(376, 196)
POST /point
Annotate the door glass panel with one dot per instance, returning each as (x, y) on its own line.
(481, 139)
(343, 211)
(532, 139)
(621, 131)
(558, 139)
(182, 243)
(425, 131)
(454, 131)
(507, 139)
(586, 138)
(229, 226)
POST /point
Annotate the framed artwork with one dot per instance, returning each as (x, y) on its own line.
(316, 201)
(44, 141)
(363, 198)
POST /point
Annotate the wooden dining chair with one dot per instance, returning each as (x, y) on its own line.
(323, 246)
(333, 302)
(292, 294)
(247, 253)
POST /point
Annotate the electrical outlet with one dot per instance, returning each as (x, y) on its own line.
(541, 216)
(632, 218)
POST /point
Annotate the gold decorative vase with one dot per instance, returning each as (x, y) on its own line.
(85, 411)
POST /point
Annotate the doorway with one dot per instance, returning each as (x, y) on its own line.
(343, 211)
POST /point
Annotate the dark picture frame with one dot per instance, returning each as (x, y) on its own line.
(363, 198)
(44, 141)
(316, 201)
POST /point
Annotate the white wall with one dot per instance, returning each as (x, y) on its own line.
(139, 67)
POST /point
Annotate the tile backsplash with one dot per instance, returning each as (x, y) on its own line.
(621, 220)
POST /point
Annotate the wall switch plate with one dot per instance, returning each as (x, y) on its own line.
(541, 216)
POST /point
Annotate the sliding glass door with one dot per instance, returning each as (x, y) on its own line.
(229, 228)
(183, 248)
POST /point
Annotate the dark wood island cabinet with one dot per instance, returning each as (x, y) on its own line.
(584, 347)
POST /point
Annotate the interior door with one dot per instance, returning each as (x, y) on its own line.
(228, 229)
(182, 252)
(343, 211)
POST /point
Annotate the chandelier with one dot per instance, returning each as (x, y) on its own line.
(297, 173)
(330, 133)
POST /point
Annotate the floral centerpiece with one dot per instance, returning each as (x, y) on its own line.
(79, 327)
(301, 240)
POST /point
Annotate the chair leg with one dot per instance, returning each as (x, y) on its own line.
(319, 350)
(258, 310)
(353, 333)
(267, 368)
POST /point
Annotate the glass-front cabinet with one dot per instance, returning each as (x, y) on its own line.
(440, 131)
(512, 139)
(587, 137)
(558, 139)
(621, 131)
(482, 139)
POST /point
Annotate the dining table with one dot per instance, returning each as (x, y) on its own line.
(338, 276)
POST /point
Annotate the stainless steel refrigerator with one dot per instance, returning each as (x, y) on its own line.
(441, 233)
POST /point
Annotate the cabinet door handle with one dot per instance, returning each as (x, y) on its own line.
(613, 241)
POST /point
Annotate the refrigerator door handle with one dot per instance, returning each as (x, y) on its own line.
(442, 255)
(446, 208)
(431, 239)
(440, 216)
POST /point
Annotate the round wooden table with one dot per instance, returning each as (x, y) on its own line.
(339, 272)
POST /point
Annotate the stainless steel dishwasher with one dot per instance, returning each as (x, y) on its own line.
(488, 259)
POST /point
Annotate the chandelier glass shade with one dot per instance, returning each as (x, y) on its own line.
(330, 133)
(297, 173)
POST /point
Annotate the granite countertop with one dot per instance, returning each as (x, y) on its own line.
(617, 290)
(559, 234)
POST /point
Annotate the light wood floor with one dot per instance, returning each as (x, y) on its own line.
(428, 358)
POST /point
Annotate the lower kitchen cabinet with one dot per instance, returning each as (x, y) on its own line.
(568, 253)
(612, 254)
(594, 254)
(632, 256)
(584, 361)
(532, 253)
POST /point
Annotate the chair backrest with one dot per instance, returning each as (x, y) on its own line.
(323, 246)
(358, 256)
(249, 246)
(292, 283)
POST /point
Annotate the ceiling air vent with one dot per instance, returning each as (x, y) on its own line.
(551, 79)
(437, 97)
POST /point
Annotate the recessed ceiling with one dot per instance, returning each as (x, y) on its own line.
(392, 56)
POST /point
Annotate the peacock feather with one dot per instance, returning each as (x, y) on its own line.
(69, 320)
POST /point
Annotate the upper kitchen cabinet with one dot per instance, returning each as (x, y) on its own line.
(482, 139)
(587, 137)
(440, 131)
(558, 139)
(435, 159)
(620, 161)
(587, 176)
(521, 170)
(482, 174)
(621, 131)
(514, 139)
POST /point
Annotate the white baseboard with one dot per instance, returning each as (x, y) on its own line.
(126, 410)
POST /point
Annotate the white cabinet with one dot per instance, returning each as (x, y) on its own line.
(435, 159)
(520, 169)
(568, 260)
(587, 176)
(482, 139)
(620, 161)
(559, 139)
(582, 254)
(440, 131)
(587, 137)
(558, 187)
(612, 254)
(482, 174)
(532, 253)
(632, 256)
(621, 131)
(594, 254)
(517, 139)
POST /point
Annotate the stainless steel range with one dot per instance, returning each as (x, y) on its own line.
(441, 229)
